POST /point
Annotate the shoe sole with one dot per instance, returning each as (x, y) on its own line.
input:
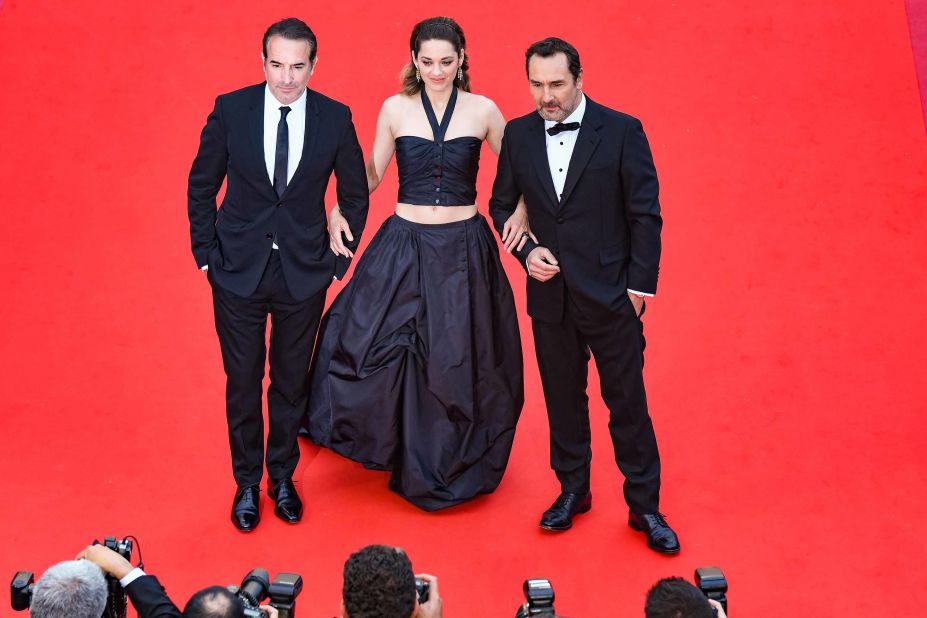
(582, 510)
(660, 550)
(246, 530)
(556, 528)
(287, 520)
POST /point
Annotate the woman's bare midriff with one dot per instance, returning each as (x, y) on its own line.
(435, 214)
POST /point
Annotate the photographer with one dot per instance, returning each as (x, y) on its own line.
(218, 602)
(149, 598)
(379, 583)
(143, 590)
(72, 589)
(674, 597)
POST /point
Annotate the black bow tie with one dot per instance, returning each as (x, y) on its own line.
(560, 127)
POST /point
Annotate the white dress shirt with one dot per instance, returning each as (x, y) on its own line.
(560, 152)
(296, 129)
(296, 126)
(131, 576)
(560, 146)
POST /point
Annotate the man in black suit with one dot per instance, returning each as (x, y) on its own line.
(591, 189)
(145, 592)
(266, 250)
(151, 601)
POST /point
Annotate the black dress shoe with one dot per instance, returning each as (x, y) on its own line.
(246, 513)
(660, 537)
(288, 507)
(560, 514)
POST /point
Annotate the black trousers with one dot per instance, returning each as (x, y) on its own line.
(616, 340)
(241, 324)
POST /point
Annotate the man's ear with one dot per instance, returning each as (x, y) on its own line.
(344, 611)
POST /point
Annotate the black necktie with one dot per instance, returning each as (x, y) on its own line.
(282, 154)
(560, 127)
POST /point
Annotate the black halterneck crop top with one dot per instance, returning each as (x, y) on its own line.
(439, 172)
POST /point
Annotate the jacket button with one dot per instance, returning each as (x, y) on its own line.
(269, 235)
(559, 219)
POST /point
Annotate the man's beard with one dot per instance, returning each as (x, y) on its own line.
(561, 113)
(556, 116)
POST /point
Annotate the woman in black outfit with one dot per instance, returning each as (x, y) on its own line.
(418, 365)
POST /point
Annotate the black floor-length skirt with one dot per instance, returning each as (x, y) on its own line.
(418, 364)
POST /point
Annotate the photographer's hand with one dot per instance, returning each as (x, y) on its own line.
(432, 607)
(717, 607)
(271, 611)
(108, 560)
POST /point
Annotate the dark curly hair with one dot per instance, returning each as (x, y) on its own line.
(674, 597)
(378, 583)
(442, 29)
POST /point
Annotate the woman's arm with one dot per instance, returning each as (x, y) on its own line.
(384, 144)
(383, 148)
(515, 228)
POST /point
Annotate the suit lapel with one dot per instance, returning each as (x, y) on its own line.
(256, 130)
(586, 143)
(537, 144)
(311, 132)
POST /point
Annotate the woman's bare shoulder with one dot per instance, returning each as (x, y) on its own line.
(481, 104)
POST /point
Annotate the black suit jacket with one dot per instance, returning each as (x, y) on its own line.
(604, 230)
(150, 600)
(236, 241)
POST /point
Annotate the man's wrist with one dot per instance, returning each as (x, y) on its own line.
(131, 576)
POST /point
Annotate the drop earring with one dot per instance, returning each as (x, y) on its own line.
(418, 75)
(460, 73)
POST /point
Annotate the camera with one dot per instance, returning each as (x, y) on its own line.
(422, 588)
(539, 599)
(21, 590)
(116, 601)
(711, 581)
(256, 587)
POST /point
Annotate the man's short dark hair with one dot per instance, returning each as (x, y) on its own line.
(552, 45)
(294, 29)
(379, 583)
(674, 597)
(214, 602)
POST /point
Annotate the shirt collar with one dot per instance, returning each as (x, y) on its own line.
(576, 116)
(271, 102)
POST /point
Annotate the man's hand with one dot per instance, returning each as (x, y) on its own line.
(515, 231)
(717, 607)
(432, 607)
(542, 265)
(271, 611)
(106, 559)
(637, 302)
(336, 225)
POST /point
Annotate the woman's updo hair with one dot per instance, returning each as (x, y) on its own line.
(443, 29)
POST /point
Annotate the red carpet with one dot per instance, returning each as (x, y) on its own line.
(786, 344)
